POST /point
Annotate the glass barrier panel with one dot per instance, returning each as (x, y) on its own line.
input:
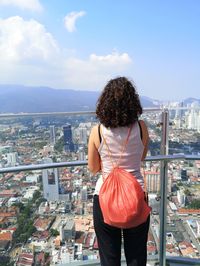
(184, 130)
(183, 209)
(47, 214)
(184, 183)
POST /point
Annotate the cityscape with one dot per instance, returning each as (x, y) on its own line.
(56, 59)
(46, 215)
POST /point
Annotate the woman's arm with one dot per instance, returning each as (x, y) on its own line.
(145, 138)
(93, 155)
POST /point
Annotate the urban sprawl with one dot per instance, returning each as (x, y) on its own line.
(46, 215)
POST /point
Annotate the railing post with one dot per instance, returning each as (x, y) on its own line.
(163, 187)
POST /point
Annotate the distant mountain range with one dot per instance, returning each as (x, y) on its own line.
(18, 98)
(190, 100)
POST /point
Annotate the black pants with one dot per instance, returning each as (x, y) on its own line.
(109, 241)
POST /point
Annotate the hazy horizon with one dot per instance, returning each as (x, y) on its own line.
(95, 91)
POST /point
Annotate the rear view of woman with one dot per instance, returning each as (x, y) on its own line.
(118, 110)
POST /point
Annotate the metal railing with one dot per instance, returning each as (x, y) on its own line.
(48, 114)
(164, 158)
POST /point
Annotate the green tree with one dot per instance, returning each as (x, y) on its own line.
(54, 232)
(187, 192)
(195, 204)
(59, 144)
(8, 263)
(40, 144)
(25, 223)
(46, 255)
(19, 205)
(179, 184)
(36, 195)
(30, 229)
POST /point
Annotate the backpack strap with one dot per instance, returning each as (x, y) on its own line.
(141, 135)
(99, 132)
(145, 182)
(143, 168)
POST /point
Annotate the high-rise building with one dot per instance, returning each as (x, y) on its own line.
(181, 111)
(84, 195)
(81, 154)
(178, 115)
(67, 230)
(181, 197)
(52, 135)
(198, 228)
(82, 135)
(68, 143)
(193, 117)
(184, 176)
(153, 181)
(178, 111)
(12, 158)
(50, 182)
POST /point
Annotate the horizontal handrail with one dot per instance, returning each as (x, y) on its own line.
(41, 166)
(179, 261)
(182, 261)
(172, 157)
(83, 163)
(184, 108)
(17, 115)
(45, 114)
(10, 115)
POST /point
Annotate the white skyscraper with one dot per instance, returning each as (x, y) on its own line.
(82, 135)
(50, 182)
(198, 228)
(81, 154)
(193, 117)
(181, 197)
(12, 158)
(52, 135)
(153, 181)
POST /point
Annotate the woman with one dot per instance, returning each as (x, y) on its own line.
(118, 109)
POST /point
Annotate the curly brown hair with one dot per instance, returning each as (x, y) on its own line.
(119, 104)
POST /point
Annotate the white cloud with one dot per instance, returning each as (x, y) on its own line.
(70, 20)
(33, 5)
(31, 56)
(25, 40)
(110, 59)
(92, 74)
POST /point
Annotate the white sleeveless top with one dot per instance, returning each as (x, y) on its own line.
(131, 158)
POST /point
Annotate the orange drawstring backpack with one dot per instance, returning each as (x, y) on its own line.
(122, 200)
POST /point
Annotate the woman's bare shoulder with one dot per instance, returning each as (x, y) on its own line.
(94, 130)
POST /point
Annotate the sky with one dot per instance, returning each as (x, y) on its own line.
(81, 44)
